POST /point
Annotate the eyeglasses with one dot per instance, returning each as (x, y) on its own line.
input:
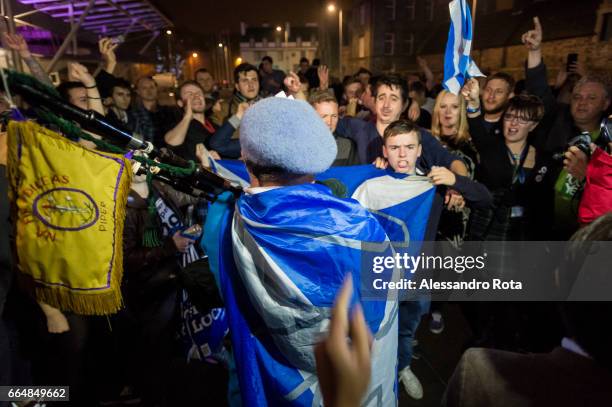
(509, 117)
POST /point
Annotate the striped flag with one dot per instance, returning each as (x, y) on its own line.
(458, 65)
(280, 257)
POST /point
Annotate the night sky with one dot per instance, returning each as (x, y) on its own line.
(207, 17)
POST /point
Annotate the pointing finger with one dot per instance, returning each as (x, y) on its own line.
(536, 24)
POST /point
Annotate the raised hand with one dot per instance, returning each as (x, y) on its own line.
(292, 83)
(578, 67)
(187, 109)
(107, 50)
(471, 93)
(242, 108)
(17, 43)
(422, 62)
(79, 73)
(414, 111)
(323, 73)
(533, 38)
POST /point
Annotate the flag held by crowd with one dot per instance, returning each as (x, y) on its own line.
(458, 64)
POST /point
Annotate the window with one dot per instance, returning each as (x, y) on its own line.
(389, 45)
(361, 47)
(606, 29)
(411, 9)
(408, 45)
(429, 10)
(390, 10)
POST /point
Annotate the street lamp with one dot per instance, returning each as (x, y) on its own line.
(331, 8)
(195, 55)
(169, 32)
(279, 28)
(220, 45)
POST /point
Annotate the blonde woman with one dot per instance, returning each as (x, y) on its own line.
(449, 124)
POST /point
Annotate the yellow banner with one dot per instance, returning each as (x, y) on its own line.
(70, 207)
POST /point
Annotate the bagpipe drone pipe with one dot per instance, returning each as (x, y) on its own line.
(162, 163)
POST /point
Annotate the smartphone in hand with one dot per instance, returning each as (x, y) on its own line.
(570, 65)
(192, 232)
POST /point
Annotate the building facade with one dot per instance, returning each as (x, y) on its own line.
(285, 44)
(388, 35)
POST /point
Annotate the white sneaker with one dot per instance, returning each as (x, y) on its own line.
(411, 383)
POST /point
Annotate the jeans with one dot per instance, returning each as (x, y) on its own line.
(410, 313)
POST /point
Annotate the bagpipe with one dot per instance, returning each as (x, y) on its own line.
(161, 163)
(69, 202)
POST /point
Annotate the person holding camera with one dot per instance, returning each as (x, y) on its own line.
(566, 130)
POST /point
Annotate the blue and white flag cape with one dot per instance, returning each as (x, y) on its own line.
(392, 197)
(458, 65)
(292, 247)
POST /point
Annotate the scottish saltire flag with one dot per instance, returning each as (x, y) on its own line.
(233, 170)
(401, 203)
(398, 201)
(283, 262)
(458, 65)
(292, 247)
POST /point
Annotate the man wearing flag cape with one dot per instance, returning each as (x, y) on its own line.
(293, 242)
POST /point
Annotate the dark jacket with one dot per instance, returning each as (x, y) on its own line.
(496, 172)
(149, 272)
(489, 377)
(557, 126)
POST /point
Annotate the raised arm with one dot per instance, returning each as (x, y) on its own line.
(17, 43)
(107, 50)
(293, 86)
(323, 73)
(429, 76)
(480, 137)
(79, 73)
(533, 41)
(223, 143)
(176, 136)
(536, 83)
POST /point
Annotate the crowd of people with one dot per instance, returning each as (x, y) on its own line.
(511, 161)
